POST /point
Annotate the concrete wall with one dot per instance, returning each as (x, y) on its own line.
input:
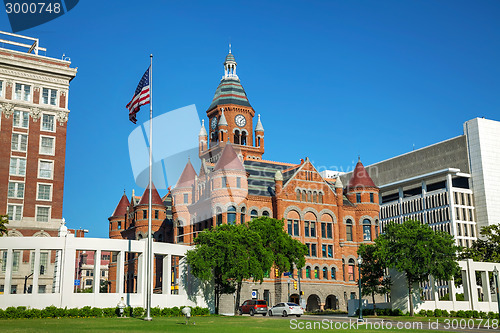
(191, 292)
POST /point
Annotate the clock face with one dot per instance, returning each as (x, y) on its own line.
(214, 122)
(240, 120)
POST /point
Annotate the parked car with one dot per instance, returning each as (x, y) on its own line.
(286, 309)
(253, 306)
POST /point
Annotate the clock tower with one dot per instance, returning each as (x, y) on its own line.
(230, 120)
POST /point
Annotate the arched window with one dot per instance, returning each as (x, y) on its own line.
(320, 197)
(242, 215)
(219, 216)
(308, 272)
(315, 197)
(298, 195)
(351, 269)
(316, 272)
(244, 138)
(309, 196)
(367, 231)
(304, 196)
(237, 137)
(343, 269)
(325, 273)
(258, 141)
(348, 230)
(231, 215)
(333, 273)
(254, 214)
(376, 228)
(265, 213)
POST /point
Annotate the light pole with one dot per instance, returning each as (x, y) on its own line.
(360, 261)
(495, 273)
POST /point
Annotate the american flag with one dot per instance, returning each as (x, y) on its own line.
(141, 97)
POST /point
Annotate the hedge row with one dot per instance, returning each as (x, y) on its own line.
(381, 312)
(459, 314)
(87, 311)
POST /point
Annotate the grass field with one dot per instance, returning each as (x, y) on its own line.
(163, 324)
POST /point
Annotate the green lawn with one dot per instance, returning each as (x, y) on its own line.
(197, 324)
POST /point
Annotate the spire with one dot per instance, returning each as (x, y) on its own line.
(155, 197)
(230, 66)
(338, 183)
(203, 131)
(187, 177)
(229, 160)
(360, 177)
(229, 48)
(259, 127)
(121, 208)
(222, 120)
(278, 176)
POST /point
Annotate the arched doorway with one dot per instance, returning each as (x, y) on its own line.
(294, 298)
(331, 302)
(313, 302)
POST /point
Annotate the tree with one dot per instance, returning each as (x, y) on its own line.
(487, 249)
(417, 251)
(373, 279)
(4, 219)
(285, 251)
(227, 255)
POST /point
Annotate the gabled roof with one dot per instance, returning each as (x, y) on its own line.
(360, 177)
(229, 160)
(187, 176)
(121, 209)
(155, 197)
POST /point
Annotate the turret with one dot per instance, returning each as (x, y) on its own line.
(223, 133)
(117, 219)
(202, 138)
(259, 134)
(278, 182)
(339, 189)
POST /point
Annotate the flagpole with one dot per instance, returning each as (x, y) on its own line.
(150, 244)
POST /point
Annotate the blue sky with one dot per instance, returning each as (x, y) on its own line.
(331, 79)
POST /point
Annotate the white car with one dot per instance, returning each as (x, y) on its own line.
(286, 309)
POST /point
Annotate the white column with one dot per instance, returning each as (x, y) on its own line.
(97, 271)
(36, 271)
(182, 282)
(8, 271)
(453, 223)
(471, 275)
(120, 272)
(166, 279)
(486, 287)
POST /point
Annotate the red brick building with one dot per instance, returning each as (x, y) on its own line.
(33, 121)
(235, 184)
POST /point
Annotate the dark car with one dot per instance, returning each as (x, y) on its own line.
(253, 306)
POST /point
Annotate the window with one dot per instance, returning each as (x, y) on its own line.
(1, 88)
(15, 261)
(186, 198)
(144, 214)
(265, 213)
(306, 228)
(376, 228)
(49, 96)
(329, 227)
(21, 119)
(308, 272)
(323, 230)
(254, 214)
(119, 225)
(313, 229)
(330, 251)
(157, 214)
(47, 145)
(224, 181)
(19, 142)
(88, 282)
(45, 170)
(44, 259)
(242, 215)
(22, 92)
(298, 195)
(367, 231)
(295, 227)
(42, 214)
(323, 250)
(231, 215)
(325, 273)
(14, 212)
(358, 197)
(290, 226)
(16, 190)
(313, 250)
(4, 261)
(44, 192)
(348, 230)
(238, 182)
(320, 198)
(372, 198)
(48, 122)
(219, 216)
(316, 272)
(351, 270)
(333, 273)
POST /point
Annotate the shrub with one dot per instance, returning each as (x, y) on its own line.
(468, 314)
(475, 314)
(430, 313)
(49, 312)
(176, 312)
(422, 313)
(438, 313)
(460, 297)
(96, 312)
(74, 312)
(197, 311)
(127, 312)
(85, 312)
(397, 312)
(453, 313)
(109, 312)
(155, 312)
(461, 314)
(445, 313)
(12, 312)
(483, 315)
(33, 313)
(138, 312)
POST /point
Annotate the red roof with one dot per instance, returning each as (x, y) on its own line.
(187, 176)
(360, 177)
(229, 160)
(121, 209)
(156, 200)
